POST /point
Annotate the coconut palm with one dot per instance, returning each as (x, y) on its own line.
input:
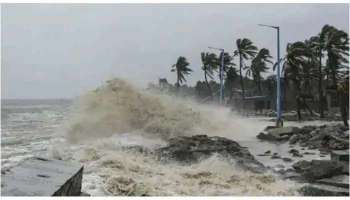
(258, 66)
(336, 44)
(316, 46)
(294, 62)
(181, 69)
(245, 50)
(231, 76)
(209, 61)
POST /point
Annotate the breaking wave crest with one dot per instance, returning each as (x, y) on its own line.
(118, 107)
(117, 117)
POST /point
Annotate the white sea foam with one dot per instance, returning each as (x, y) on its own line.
(119, 115)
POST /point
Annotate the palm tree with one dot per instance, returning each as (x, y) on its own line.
(209, 61)
(258, 66)
(316, 46)
(245, 50)
(231, 76)
(336, 43)
(181, 68)
(293, 66)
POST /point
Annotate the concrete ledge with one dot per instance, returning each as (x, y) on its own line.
(43, 177)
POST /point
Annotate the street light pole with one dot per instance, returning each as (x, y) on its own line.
(279, 122)
(221, 74)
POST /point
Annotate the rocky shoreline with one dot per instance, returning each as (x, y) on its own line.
(327, 139)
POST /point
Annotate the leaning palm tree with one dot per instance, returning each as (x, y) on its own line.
(316, 46)
(258, 66)
(209, 61)
(181, 68)
(245, 50)
(231, 76)
(293, 66)
(336, 44)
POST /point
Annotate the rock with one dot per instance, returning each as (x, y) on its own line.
(285, 159)
(192, 149)
(338, 181)
(278, 134)
(293, 139)
(275, 157)
(330, 137)
(43, 177)
(295, 153)
(309, 153)
(317, 169)
(307, 130)
(263, 155)
(323, 190)
(267, 153)
(342, 156)
(291, 174)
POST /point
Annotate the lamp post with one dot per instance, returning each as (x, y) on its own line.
(279, 122)
(221, 74)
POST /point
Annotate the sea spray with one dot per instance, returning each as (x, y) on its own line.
(117, 116)
(118, 107)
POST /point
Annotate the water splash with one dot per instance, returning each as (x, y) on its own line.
(118, 115)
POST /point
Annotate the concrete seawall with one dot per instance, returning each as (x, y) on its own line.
(42, 177)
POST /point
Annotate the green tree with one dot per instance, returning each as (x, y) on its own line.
(258, 66)
(293, 66)
(209, 65)
(336, 44)
(231, 76)
(245, 50)
(181, 68)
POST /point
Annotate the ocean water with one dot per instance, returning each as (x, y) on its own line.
(28, 127)
(100, 128)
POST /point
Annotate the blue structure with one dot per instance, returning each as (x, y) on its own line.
(279, 121)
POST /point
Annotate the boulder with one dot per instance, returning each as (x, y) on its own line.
(317, 169)
(286, 159)
(195, 148)
(295, 153)
(330, 137)
(293, 139)
(278, 134)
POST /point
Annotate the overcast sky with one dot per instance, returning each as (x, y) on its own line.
(51, 51)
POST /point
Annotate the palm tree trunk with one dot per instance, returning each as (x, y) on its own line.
(208, 85)
(320, 92)
(241, 76)
(298, 98)
(178, 81)
(259, 85)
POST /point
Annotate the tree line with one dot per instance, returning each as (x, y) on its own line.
(310, 68)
